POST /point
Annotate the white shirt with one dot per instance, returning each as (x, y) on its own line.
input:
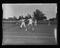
(30, 21)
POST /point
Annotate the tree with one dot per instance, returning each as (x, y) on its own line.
(10, 18)
(44, 18)
(20, 17)
(28, 15)
(14, 18)
(4, 18)
(52, 19)
(38, 15)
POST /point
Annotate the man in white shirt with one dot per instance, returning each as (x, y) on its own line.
(30, 21)
(23, 23)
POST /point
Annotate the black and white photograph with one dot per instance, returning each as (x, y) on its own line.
(29, 24)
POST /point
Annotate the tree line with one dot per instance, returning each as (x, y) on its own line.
(37, 14)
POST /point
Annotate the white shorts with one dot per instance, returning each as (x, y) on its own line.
(23, 24)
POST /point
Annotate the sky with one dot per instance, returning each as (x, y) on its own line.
(10, 10)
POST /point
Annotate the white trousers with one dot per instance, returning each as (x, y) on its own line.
(22, 24)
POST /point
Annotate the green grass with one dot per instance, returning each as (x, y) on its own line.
(43, 34)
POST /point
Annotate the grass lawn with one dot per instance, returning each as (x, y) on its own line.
(42, 34)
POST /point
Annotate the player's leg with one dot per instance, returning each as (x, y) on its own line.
(29, 23)
(35, 23)
(24, 24)
(32, 25)
(21, 25)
